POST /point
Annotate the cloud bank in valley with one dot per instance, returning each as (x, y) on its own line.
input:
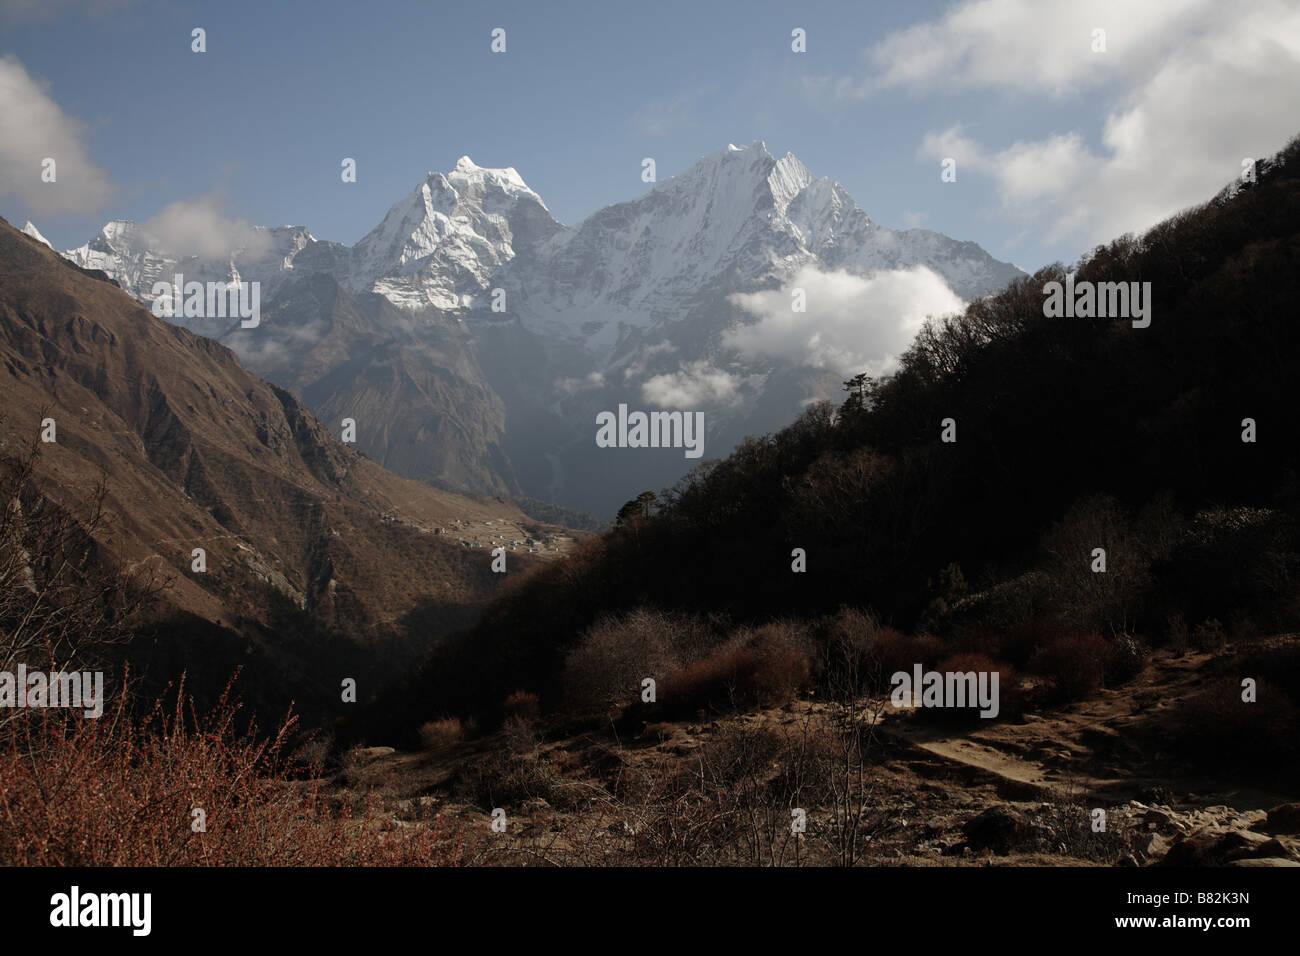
(851, 324)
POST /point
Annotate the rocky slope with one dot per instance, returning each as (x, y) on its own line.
(320, 563)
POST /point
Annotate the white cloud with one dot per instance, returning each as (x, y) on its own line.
(571, 386)
(1184, 92)
(256, 352)
(309, 331)
(693, 385)
(196, 227)
(1036, 47)
(643, 359)
(32, 128)
(852, 323)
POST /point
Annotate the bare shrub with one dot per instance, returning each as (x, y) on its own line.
(617, 653)
(849, 663)
(121, 790)
(442, 735)
(507, 777)
(1066, 827)
(1097, 601)
(1127, 659)
(1177, 635)
(739, 797)
(1209, 636)
(62, 602)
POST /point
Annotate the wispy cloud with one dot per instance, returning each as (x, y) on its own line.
(1034, 47)
(694, 385)
(1183, 92)
(33, 129)
(670, 114)
(197, 227)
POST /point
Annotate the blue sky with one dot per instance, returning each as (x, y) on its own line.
(1058, 145)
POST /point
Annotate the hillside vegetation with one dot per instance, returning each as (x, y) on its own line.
(1072, 434)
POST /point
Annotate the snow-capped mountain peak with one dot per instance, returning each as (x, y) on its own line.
(641, 301)
(467, 175)
(736, 220)
(441, 244)
(30, 229)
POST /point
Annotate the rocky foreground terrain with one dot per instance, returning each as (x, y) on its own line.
(720, 790)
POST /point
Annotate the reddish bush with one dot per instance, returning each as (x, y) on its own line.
(1018, 644)
(523, 704)
(711, 683)
(1221, 728)
(764, 669)
(1076, 665)
(1008, 691)
(898, 652)
(784, 665)
(122, 791)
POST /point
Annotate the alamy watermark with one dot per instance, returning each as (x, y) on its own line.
(949, 689)
(75, 908)
(651, 430)
(80, 689)
(1101, 300)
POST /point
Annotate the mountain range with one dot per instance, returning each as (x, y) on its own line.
(474, 338)
(317, 563)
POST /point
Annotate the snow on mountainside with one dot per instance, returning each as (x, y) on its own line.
(631, 264)
(30, 229)
(137, 260)
(738, 216)
(441, 245)
(646, 301)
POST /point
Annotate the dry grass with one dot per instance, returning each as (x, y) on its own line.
(122, 790)
(440, 736)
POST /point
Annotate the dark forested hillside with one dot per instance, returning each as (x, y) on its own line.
(1071, 434)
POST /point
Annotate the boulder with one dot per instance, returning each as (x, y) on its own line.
(1002, 830)
(1284, 818)
(1213, 846)
(1154, 847)
(1264, 861)
(1276, 847)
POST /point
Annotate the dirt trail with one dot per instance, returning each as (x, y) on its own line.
(1104, 746)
